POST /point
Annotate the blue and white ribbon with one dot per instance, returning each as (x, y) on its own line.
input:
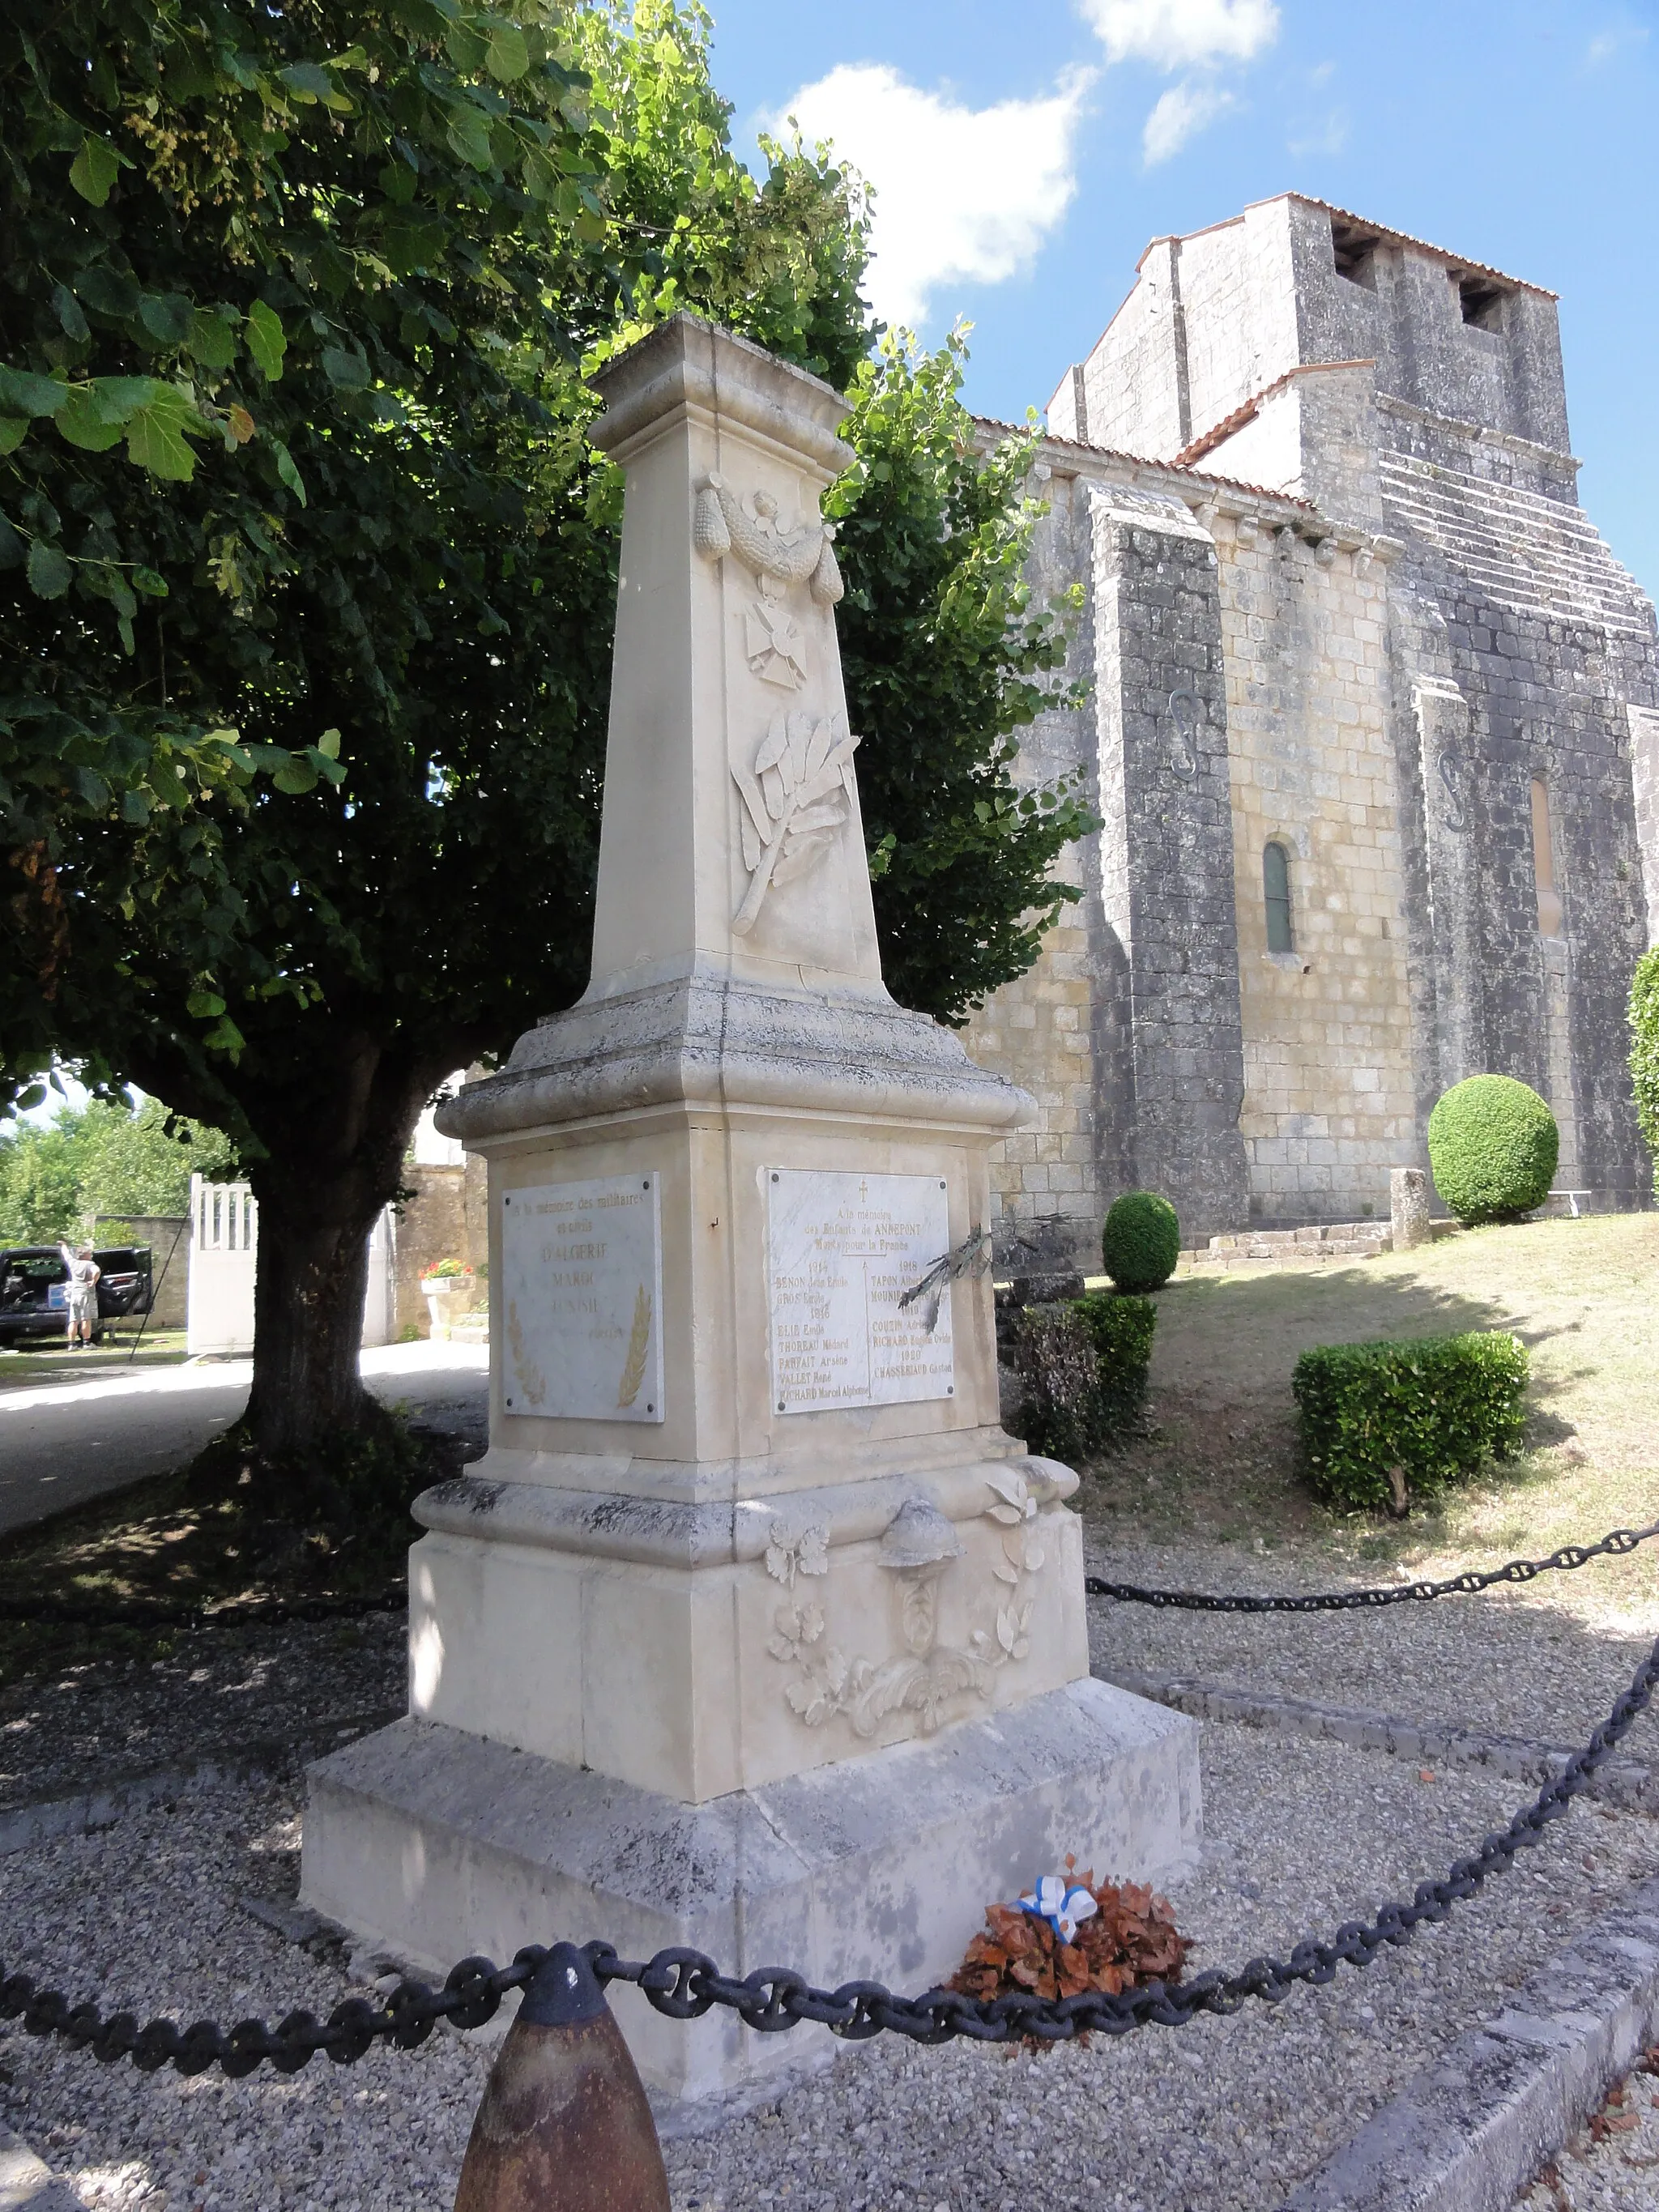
(1061, 1906)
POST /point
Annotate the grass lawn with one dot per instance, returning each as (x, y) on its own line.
(1218, 1459)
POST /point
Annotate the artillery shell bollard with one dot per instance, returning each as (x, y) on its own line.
(564, 2125)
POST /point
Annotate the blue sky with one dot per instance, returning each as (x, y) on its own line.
(1026, 153)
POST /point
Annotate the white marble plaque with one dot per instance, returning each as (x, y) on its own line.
(843, 1248)
(582, 1299)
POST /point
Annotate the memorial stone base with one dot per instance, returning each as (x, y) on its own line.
(436, 1843)
(753, 1631)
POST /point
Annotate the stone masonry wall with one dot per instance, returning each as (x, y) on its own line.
(1328, 1104)
(1417, 625)
(1166, 850)
(1057, 1032)
(1519, 648)
(446, 1217)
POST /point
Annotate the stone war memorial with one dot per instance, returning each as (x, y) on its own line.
(753, 1631)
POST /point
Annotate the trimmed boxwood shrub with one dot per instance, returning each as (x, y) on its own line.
(1644, 1051)
(1493, 1145)
(1142, 1241)
(1431, 1410)
(1082, 1363)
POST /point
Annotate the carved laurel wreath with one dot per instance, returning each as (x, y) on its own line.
(752, 530)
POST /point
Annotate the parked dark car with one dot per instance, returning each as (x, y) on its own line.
(34, 1289)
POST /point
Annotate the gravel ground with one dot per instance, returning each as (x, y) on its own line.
(1611, 2166)
(221, 1691)
(1546, 1664)
(1234, 2112)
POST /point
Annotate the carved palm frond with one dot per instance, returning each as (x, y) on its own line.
(639, 1341)
(795, 799)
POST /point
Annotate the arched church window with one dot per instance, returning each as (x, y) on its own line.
(1276, 893)
(1551, 913)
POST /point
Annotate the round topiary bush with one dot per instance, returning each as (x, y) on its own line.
(1142, 1241)
(1492, 1144)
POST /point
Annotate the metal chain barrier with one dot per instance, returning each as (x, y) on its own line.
(684, 1983)
(1613, 1545)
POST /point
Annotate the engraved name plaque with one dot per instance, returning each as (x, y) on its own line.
(843, 1248)
(582, 1300)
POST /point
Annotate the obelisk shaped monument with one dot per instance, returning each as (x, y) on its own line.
(753, 1630)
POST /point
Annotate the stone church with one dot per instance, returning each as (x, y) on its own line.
(1372, 728)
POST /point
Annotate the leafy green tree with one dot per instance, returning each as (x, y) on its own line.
(946, 656)
(415, 550)
(39, 1185)
(104, 1157)
(428, 569)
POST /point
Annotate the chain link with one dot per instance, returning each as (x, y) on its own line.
(684, 1983)
(1613, 1545)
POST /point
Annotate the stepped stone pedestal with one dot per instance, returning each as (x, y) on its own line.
(752, 1630)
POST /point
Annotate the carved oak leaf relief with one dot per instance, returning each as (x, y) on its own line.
(792, 1552)
(796, 796)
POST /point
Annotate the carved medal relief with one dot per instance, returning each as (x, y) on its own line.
(934, 1681)
(795, 779)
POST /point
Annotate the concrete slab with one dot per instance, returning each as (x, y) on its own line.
(874, 1868)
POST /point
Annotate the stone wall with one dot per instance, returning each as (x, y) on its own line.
(1432, 661)
(1507, 694)
(167, 1235)
(1328, 1104)
(444, 1217)
(1166, 850)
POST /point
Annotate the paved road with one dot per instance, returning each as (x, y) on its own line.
(62, 1442)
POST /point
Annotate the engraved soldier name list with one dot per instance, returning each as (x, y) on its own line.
(581, 1290)
(843, 1248)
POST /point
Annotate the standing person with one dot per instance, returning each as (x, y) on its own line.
(83, 1274)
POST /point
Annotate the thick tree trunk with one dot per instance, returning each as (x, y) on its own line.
(308, 1295)
(329, 1174)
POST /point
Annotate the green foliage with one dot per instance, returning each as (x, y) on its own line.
(1493, 1147)
(1644, 1051)
(101, 1158)
(1122, 1329)
(1082, 1364)
(1431, 1412)
(405, 246)
(1142, 1241)
(945, 658)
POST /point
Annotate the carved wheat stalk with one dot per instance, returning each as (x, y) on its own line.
(633, 1372)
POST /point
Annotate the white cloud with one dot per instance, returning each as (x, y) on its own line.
(1182, 113)
(962, 194)
(1329, 135)
(1175, 34)
(1610, 43)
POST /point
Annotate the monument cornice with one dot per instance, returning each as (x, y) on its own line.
(716, 1041)
(690, 367)
(656, 1531)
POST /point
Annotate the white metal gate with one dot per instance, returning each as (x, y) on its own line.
(224, 1246)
